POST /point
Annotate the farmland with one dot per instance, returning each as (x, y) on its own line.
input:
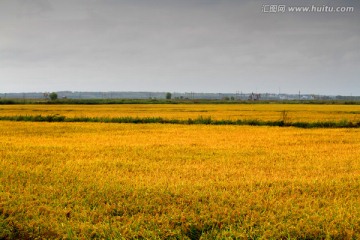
(156, 181)
(264, 112)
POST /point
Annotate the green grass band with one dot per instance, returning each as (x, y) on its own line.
(190, 121)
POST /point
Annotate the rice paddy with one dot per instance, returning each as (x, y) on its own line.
(72, 180)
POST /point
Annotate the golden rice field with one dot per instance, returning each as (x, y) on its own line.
(166, 181)
(263, 112)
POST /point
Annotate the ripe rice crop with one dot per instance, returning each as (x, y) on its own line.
(262, 112)
(158, 181)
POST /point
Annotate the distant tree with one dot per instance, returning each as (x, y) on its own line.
(226, 98)
(53, 96)
(168, 95)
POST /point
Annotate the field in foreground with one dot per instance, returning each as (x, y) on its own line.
(94, 180)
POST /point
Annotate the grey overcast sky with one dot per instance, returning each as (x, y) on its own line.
(179, 45)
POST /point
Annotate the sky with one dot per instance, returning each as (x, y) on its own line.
(180, 46)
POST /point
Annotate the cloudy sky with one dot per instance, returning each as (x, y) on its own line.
(179, 45)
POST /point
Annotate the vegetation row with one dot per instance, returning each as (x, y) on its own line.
(189, 121)
(170, 101)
